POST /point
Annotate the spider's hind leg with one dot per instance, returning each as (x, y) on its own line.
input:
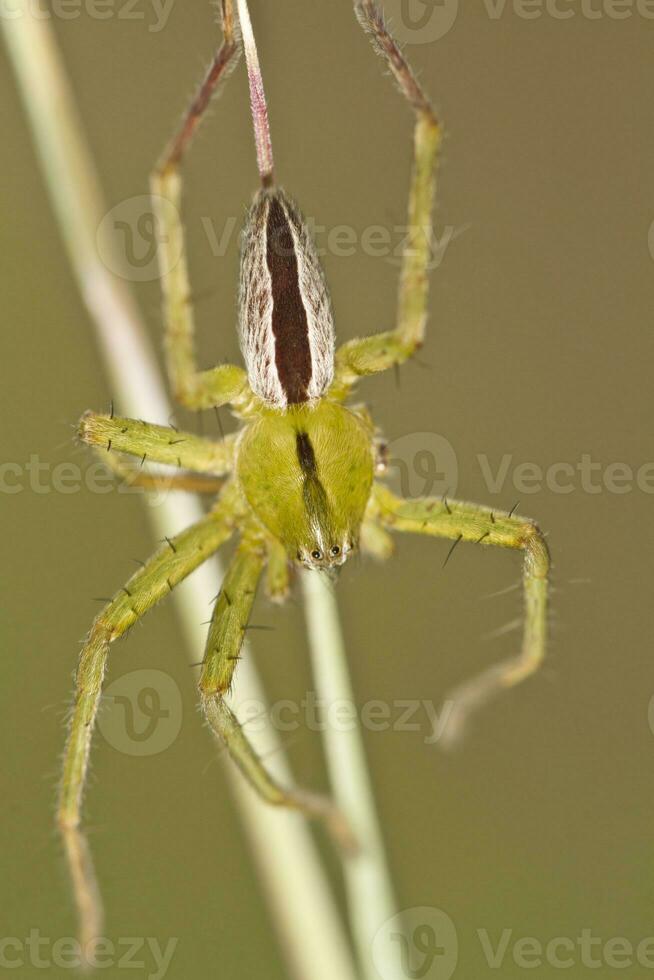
(479, 525)
(166, 568)
(378, 352)
(228, 626)
(193, 388)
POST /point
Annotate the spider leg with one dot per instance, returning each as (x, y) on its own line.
(228, 626)
(470, 522)
(378, 352)
(134, 477)
(165, 569)
(157, 443)
(193, 388)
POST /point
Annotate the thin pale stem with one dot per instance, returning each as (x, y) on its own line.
(258, 105)
(300, 899)
(370, 897)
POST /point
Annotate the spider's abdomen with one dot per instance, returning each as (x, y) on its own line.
(285, 318)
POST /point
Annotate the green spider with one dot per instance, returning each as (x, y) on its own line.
(297, 482)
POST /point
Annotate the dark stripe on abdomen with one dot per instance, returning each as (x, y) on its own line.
(289, 318)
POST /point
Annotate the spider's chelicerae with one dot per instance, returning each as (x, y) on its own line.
(297, 482)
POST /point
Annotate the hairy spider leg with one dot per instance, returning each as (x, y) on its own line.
(471, 522)
(141, 479)
(176, 559)
(157, 443)
(228, 625)
(380, 351)
(226, 383)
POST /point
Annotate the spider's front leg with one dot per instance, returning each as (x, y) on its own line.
(157, 443)
(378, 352)
(226, 633)
(172, 563)
(470, 522)
(193, 388)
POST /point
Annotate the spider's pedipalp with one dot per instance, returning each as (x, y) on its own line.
(278, 578)
(160, 482)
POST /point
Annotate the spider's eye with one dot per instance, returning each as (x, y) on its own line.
(335, 550)
(316, 554)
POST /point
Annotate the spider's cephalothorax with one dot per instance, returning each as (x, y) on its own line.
(305, 465)
(296, 482)
(307, 475)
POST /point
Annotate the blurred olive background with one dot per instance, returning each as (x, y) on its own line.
(539, 346)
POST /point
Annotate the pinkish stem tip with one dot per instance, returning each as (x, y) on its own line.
(257, 98)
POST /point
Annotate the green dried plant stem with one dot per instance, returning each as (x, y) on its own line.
(299, 897)
(369, 888)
